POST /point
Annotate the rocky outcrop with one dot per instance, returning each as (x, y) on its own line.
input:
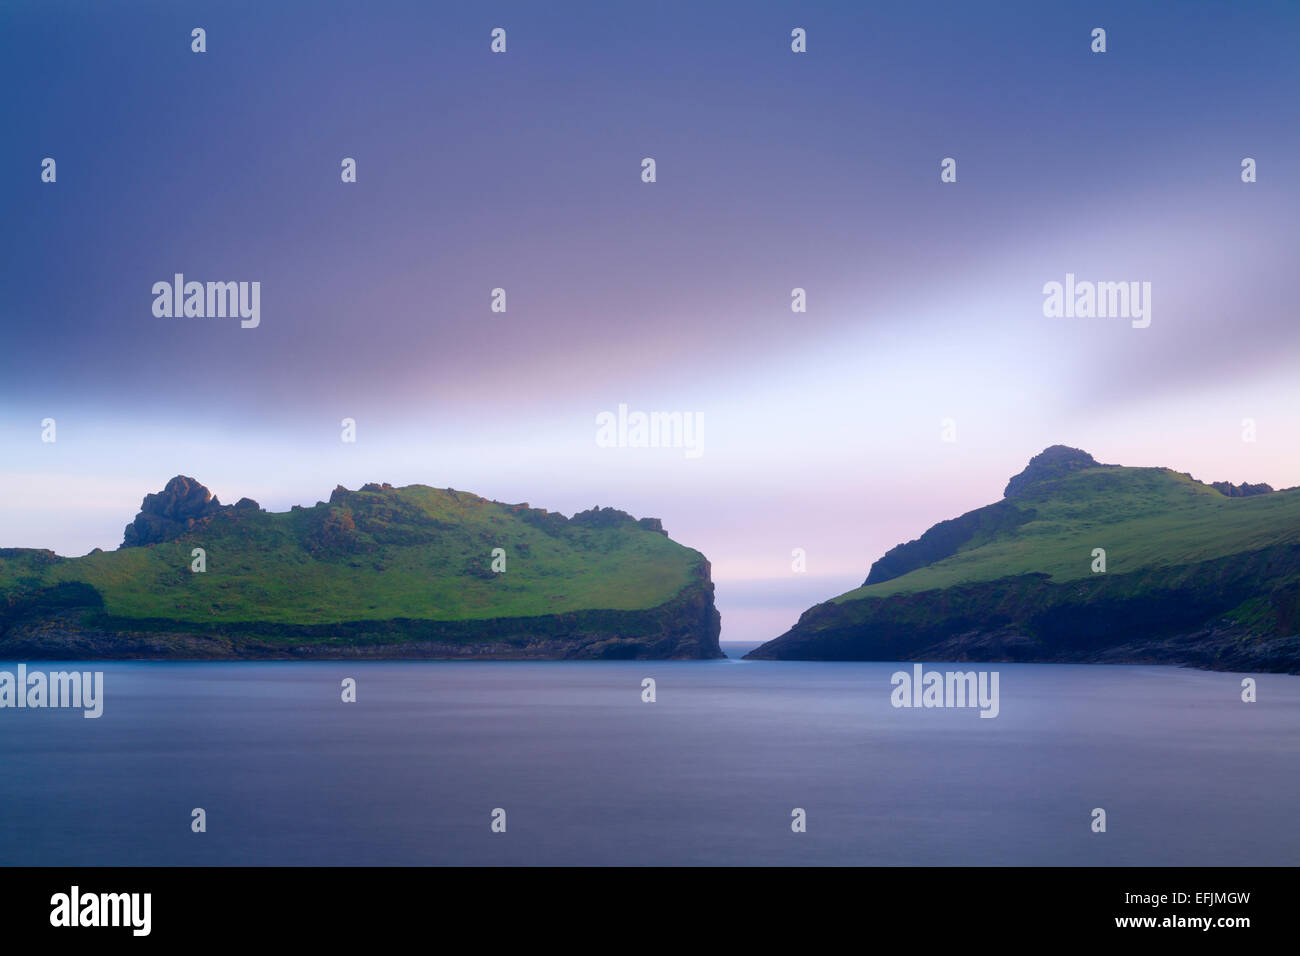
(180, 507)
(1243, 490)
(1051, 463)
(599, 517)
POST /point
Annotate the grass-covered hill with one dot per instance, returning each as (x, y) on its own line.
(1199, 574)
(381, 571)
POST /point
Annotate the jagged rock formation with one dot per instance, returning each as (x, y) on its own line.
(1243, 490)
(183, 505)
(1050, 464)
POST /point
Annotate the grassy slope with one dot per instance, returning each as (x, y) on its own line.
(413, 552)
(1143, 517)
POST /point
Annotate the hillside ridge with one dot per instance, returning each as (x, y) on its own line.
(376, 571)
(1078, 560)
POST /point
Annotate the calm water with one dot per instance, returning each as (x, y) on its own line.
(708, 774)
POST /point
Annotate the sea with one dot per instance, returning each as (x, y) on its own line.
(731, 763)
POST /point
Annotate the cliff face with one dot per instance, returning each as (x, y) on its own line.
(1081, 563)
(69, 623)
(946, 539)
(1210, 614)
(381, 572)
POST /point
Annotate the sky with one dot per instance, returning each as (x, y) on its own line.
(822, 430)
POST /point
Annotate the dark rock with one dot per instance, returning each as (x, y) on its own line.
(334, 532)
(1243, 490)
(1054, 462)
(180, 507)
(599, 517)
